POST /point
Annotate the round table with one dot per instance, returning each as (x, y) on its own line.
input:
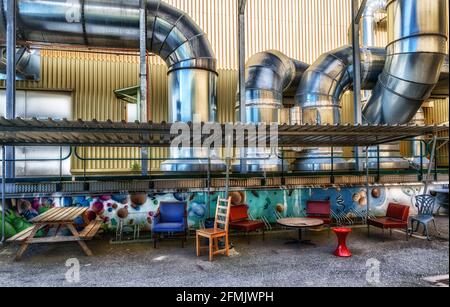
(300, 224)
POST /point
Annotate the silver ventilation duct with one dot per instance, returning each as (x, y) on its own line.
(368, 21)
(368, 30)
(319, 95)
(389, 154)
(441, 90)
(171, 34)
(418, 149)
(269, 76)
(28, 64)
(417, 36)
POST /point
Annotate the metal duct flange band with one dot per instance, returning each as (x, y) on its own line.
(417, 35)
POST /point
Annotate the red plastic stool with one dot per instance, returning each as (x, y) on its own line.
(342, 249)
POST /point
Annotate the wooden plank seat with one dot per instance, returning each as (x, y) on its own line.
(89, 232)
(220, 231)
(21, 236)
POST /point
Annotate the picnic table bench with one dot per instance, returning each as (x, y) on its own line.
(58, 218)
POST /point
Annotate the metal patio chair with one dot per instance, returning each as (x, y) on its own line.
(425, 205)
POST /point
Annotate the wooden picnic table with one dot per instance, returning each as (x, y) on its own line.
(58, 218)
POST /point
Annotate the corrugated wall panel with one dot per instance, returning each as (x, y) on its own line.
(439, 114)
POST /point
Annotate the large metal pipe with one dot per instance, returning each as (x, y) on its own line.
(388, 155)
(368, 21)
(319, 95)
(269, 76)
(28, 64)
(171, 34)
(417, 36)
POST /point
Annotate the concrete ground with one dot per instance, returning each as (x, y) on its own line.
(261, 264)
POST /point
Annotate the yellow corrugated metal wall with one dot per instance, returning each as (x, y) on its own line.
(303, 29)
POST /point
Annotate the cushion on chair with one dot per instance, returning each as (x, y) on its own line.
(169, 227)
(387, 222)
(172, 212)
(247, 226)
(238, 213)
(397, 211)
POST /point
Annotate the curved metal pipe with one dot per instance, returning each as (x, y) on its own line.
(325, 81)
(269, 76)
(171, 34)
(417, 35)
(320, 93)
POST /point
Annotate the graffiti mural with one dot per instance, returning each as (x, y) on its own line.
(140, 209)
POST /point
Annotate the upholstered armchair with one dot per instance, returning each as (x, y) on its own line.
(171, 219)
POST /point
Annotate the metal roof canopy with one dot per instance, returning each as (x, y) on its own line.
(35, 132)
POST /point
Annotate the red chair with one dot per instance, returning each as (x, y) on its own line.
(396, 218)
(320, 209)
(239, 220)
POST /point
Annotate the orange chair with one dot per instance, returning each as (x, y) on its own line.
(240, 220)
(220, 231)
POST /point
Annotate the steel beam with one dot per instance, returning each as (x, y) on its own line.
(143, 78)
(357, 105)
(3, 194)
(10, 79)
(242, 103)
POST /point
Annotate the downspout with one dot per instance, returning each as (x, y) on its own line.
(417, 37)
(320, 93)
(269, 76)
(172, 35)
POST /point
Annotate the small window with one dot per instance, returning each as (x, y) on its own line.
(42, 105)
(132, 112)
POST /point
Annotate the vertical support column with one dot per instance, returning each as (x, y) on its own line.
(357, 105)
(143, 77)
(3, 195)
(367, 185)
(242, 103)
(10, 79)
(430, 166)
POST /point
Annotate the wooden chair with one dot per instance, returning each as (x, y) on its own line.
(220, 231)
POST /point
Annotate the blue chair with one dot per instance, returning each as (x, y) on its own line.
(171, 219)
(425, 205)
